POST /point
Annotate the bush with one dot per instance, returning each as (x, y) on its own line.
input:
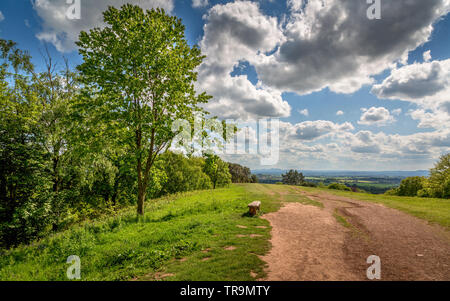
(293, 177)
(393, 191)
(309, 184)
(337, 186)
(438, 185)
(411, 186)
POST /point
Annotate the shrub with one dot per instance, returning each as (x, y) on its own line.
(337, 186)
(411, 186)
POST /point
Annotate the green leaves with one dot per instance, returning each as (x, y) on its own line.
(217, 170)
(142, 72)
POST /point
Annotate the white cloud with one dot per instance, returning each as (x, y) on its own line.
(397, 112)
(2, 17)
(421, 83)
(331, 43)
(199, 3)
(312, 130)
(424, 84)
(304, 112)
(376, 116)
(339, 113)
(326, 145)
(235, 33)
(427, 56)
(62, 32)
(318, 44)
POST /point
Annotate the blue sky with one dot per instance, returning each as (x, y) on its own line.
(282, 59)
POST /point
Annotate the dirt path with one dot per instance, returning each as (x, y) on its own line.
(308, 243)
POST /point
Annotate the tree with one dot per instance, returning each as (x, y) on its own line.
(24, 177)
(438, 184)
(55, 91)
(239, 173)
(184, 174)
(142, 71)
(293, 177)
(411, 186)
(217, 170)
(254, 179)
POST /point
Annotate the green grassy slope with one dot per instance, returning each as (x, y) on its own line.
(177, 227)
(182, 237)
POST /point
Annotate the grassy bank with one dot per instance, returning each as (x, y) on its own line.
(202, 235)
(199, 235)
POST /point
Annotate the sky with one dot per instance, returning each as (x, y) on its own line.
(351, 92)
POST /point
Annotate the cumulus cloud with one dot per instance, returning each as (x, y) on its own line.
(339, 113)
(304, 112)
(324, 144)
(58, 30)
(199, 3)
(337, 146)
(427, 56)
(397, 112)
(376, 116)
(312, 130)
(424, 84)
(317, 44)
(418, 82)
(235, 33)
(332, 43)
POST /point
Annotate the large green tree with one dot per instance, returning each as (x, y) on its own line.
(438, 183)
(217, 170)
(142, 71)
(293, 177)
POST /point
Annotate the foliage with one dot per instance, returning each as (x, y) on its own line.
(64, 157)
(411, 186)
(122, 247)
(217, 170)
(338, 186)
(183, 174)
(437, 185)
(241, 174)
(141, 71)
(293, 177)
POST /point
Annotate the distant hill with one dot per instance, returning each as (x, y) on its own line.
(346, 173)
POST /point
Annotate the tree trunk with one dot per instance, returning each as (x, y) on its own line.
(55, 174)
(141, 198)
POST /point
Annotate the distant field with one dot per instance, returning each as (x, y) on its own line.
(372, 184)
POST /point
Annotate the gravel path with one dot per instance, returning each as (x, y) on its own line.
(309, 244)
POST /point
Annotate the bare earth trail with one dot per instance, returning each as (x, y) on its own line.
(308, 243)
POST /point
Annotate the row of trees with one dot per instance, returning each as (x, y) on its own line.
(437, 185)
(76, 143)
(293, 177)
(241, 174)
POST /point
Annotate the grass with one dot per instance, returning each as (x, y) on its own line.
(436, 211)
(184, 236)
(341, 220)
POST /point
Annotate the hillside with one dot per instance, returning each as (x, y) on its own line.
(204, 235)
